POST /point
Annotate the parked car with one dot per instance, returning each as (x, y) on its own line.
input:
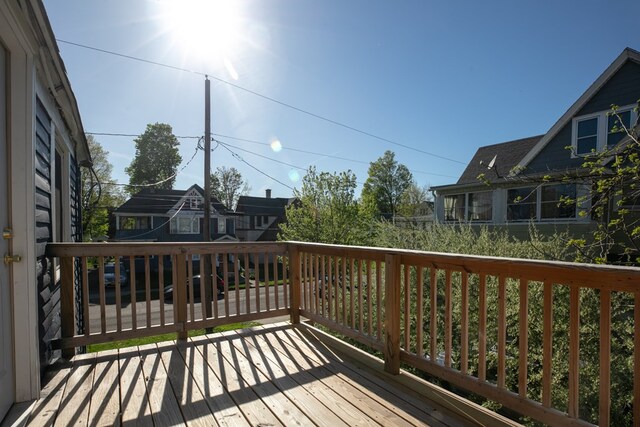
(168, 290)
(110, 275)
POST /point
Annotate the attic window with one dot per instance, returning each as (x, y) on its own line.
(194, 202)
(595, 132)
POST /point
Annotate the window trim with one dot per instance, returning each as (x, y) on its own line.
(538, 218)
(174, 226)
(603, 132)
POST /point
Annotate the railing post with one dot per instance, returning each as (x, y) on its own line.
(294, 265)
(67, 305)
(392, 314)
(180, 296)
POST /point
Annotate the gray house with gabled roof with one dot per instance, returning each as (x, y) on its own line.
(156, 215)
(259, 218)
(517, 182)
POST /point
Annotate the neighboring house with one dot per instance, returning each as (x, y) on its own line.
(42, 146)
(154, 215)
(512, 191)
(259, 218)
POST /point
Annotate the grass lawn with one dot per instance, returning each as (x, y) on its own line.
(165, 337)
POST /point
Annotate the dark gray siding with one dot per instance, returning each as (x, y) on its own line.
(48, 291)
(622, 89)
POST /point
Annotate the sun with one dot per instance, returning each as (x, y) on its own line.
(204, 28)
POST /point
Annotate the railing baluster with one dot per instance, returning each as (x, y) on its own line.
(392, 313)
(336, 287)
(161, 288)
(482, 328)
(605, 357)
(448, 320)
(464, 320)
(379, 299)
(352, 285)
(204, 295)
(294, 258)
(214, 268)
(317, 284)
(247, 284)
(369, 298)
(547, 343)
(267, 286)
(305, 280)
(502, 329)
(331, 262)
(118, 296)
(574, 351)
(285, 280)
(433, 295)
(344, 290)
(256, 289)
(103, 304)
(133, 297)
(523, 357)
(407, 308)
(191, 287)
(85, 297)
(360, 296)
(276, 286)
(236, 275)
(225, 279)
(147, 284)
(67, 317)
(180, 295)
(419, 312)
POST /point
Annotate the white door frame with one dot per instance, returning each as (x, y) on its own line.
(20, 48)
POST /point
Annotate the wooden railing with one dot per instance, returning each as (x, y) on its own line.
(557, 342)
(150, 291)
(534, 336)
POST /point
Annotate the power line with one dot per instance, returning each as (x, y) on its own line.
(237, 156)
(251, 141)
(268, 98)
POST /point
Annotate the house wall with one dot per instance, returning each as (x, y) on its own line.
(622, 89)
(161, 231)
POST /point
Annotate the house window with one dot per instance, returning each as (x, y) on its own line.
(135, 223)
(185, 225)
(194, 202)
(454, 207)
(595, 132)
(558, 201)
(522, 204)
(222, 226)
(480, 205)
(587, 136)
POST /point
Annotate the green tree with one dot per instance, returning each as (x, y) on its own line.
(99, 198)
(157, 158)
(327, 212)
(385, 185)
(227, 185)
(415, 201)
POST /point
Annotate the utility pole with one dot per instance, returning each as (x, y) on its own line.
(207, 281)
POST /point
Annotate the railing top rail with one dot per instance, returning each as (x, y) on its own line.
(593, 275)
(160, 248)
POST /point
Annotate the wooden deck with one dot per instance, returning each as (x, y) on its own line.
(271, 375)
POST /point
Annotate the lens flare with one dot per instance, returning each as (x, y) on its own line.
(276, 146)
(294, 176)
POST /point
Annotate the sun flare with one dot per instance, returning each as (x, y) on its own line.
(206, 28)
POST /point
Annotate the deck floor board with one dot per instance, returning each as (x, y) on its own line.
(271, 375)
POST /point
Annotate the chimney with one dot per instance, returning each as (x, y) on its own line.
(268, 192)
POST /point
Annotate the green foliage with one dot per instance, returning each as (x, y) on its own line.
(383, 189)
(99, 198)
(157, 158)
(327, 212)
(227, 186)
(414, 201)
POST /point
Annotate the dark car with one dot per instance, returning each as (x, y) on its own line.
(110, 275)
(168, 290)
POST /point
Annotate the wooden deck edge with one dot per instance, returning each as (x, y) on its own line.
(453, 403)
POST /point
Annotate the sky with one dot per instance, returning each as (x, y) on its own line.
(336, 83)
